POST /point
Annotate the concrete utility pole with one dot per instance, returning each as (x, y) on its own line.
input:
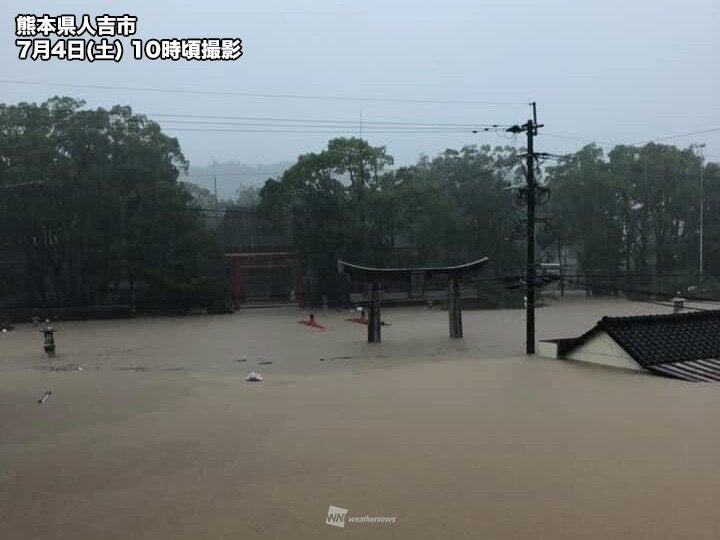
(530, 128)
(699, 148)
(531, 186)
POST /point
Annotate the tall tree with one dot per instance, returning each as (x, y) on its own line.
(341, 203)
(101, 211)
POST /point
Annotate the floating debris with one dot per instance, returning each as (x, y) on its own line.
(253, 376)
(341, 358)
(63, 367)
(5, 324)
(107, 353)
(241, 359)
(265, 362)
(45, 396)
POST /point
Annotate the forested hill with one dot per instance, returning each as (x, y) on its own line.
(232, 175)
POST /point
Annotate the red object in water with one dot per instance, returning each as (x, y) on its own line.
(359, 320)
(311, 322)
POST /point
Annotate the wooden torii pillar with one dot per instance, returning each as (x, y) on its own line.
(375, 277)
(454, 307)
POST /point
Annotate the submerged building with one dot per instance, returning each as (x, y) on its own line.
(263, 267)
(683, 346)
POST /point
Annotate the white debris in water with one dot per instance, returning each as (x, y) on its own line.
(253, 376)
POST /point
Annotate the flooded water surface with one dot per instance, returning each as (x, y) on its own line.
(159, 436)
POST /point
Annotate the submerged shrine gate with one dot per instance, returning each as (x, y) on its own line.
(376, 277)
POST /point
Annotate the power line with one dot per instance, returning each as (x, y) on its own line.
(319, 121)
(287, 128)
(339, 125)
(344, 131)
(590, 140)
(301, 129)
(678, 135)
(253, 173)
(272, 122)
(264, 95)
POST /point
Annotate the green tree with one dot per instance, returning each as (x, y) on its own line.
(634, 214)
(341, 203)
(103, 212)
(585, 206)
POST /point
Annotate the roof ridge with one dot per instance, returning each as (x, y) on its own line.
(662, 317)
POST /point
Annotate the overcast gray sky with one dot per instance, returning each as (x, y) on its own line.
(614, 71)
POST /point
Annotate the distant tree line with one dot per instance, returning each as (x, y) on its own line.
(628, 221)
(92, 212)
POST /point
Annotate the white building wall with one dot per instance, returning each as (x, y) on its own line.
(602, 349)
(548, 349)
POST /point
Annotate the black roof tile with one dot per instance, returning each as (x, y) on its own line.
(662, 339)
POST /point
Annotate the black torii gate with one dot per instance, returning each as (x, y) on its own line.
(377, 276)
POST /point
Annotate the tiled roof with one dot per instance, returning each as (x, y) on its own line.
(684, 345)
(659, 339)
(693, 370)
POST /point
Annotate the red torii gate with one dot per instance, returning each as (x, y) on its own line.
(243, 266)
(377, 276)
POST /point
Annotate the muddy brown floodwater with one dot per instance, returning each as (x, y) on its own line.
(160, 436)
